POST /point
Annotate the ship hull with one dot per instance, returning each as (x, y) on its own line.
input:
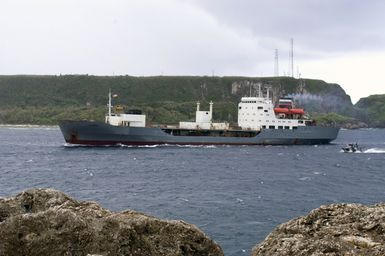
(99, 134)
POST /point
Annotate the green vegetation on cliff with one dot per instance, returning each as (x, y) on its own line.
(372, 110)
(165, 99)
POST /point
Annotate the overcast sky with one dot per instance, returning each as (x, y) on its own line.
(339, 41)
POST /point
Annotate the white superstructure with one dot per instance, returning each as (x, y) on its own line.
(256, 113)
(203, 120)
(133, 119)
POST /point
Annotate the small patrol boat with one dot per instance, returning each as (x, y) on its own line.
(352, 148)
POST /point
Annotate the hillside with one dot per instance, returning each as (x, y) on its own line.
(372, 110)
(165, 99)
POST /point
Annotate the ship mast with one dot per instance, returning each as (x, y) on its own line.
(109, 105)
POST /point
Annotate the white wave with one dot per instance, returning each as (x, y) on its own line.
(149, 146)
(196, 146)
(375, 150)
(125, 146)
(210, 146)
(69, 145)
(142, 146)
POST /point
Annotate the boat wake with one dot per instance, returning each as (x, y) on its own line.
(68, 145)
(375, 151)
(168, 145)
(139, 146)
(369, 151)
(195, 146)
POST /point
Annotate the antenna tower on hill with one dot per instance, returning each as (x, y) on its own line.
(276, 66)
(292, 57)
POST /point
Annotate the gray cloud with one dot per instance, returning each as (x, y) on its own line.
(339, 41)
(317, 25)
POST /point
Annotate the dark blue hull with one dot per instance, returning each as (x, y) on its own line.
(97, 133)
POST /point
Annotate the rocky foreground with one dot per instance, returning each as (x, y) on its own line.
(339, 229)
(48, 222)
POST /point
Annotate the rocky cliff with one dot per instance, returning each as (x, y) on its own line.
(339, 229)
(372, 110)
(48, 222)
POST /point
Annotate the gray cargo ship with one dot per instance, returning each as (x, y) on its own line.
(259, 123)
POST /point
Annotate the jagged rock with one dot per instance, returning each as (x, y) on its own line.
(337, 229)
(48, 222)
(354, 124)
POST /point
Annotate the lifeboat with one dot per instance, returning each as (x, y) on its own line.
(281, 110)
(291, 111)
(296, 111)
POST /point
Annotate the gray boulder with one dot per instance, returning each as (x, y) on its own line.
(48, 222)
(337, 229)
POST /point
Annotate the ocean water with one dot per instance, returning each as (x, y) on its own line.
(235, 194)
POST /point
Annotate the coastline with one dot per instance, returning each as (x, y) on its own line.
(27, 126)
